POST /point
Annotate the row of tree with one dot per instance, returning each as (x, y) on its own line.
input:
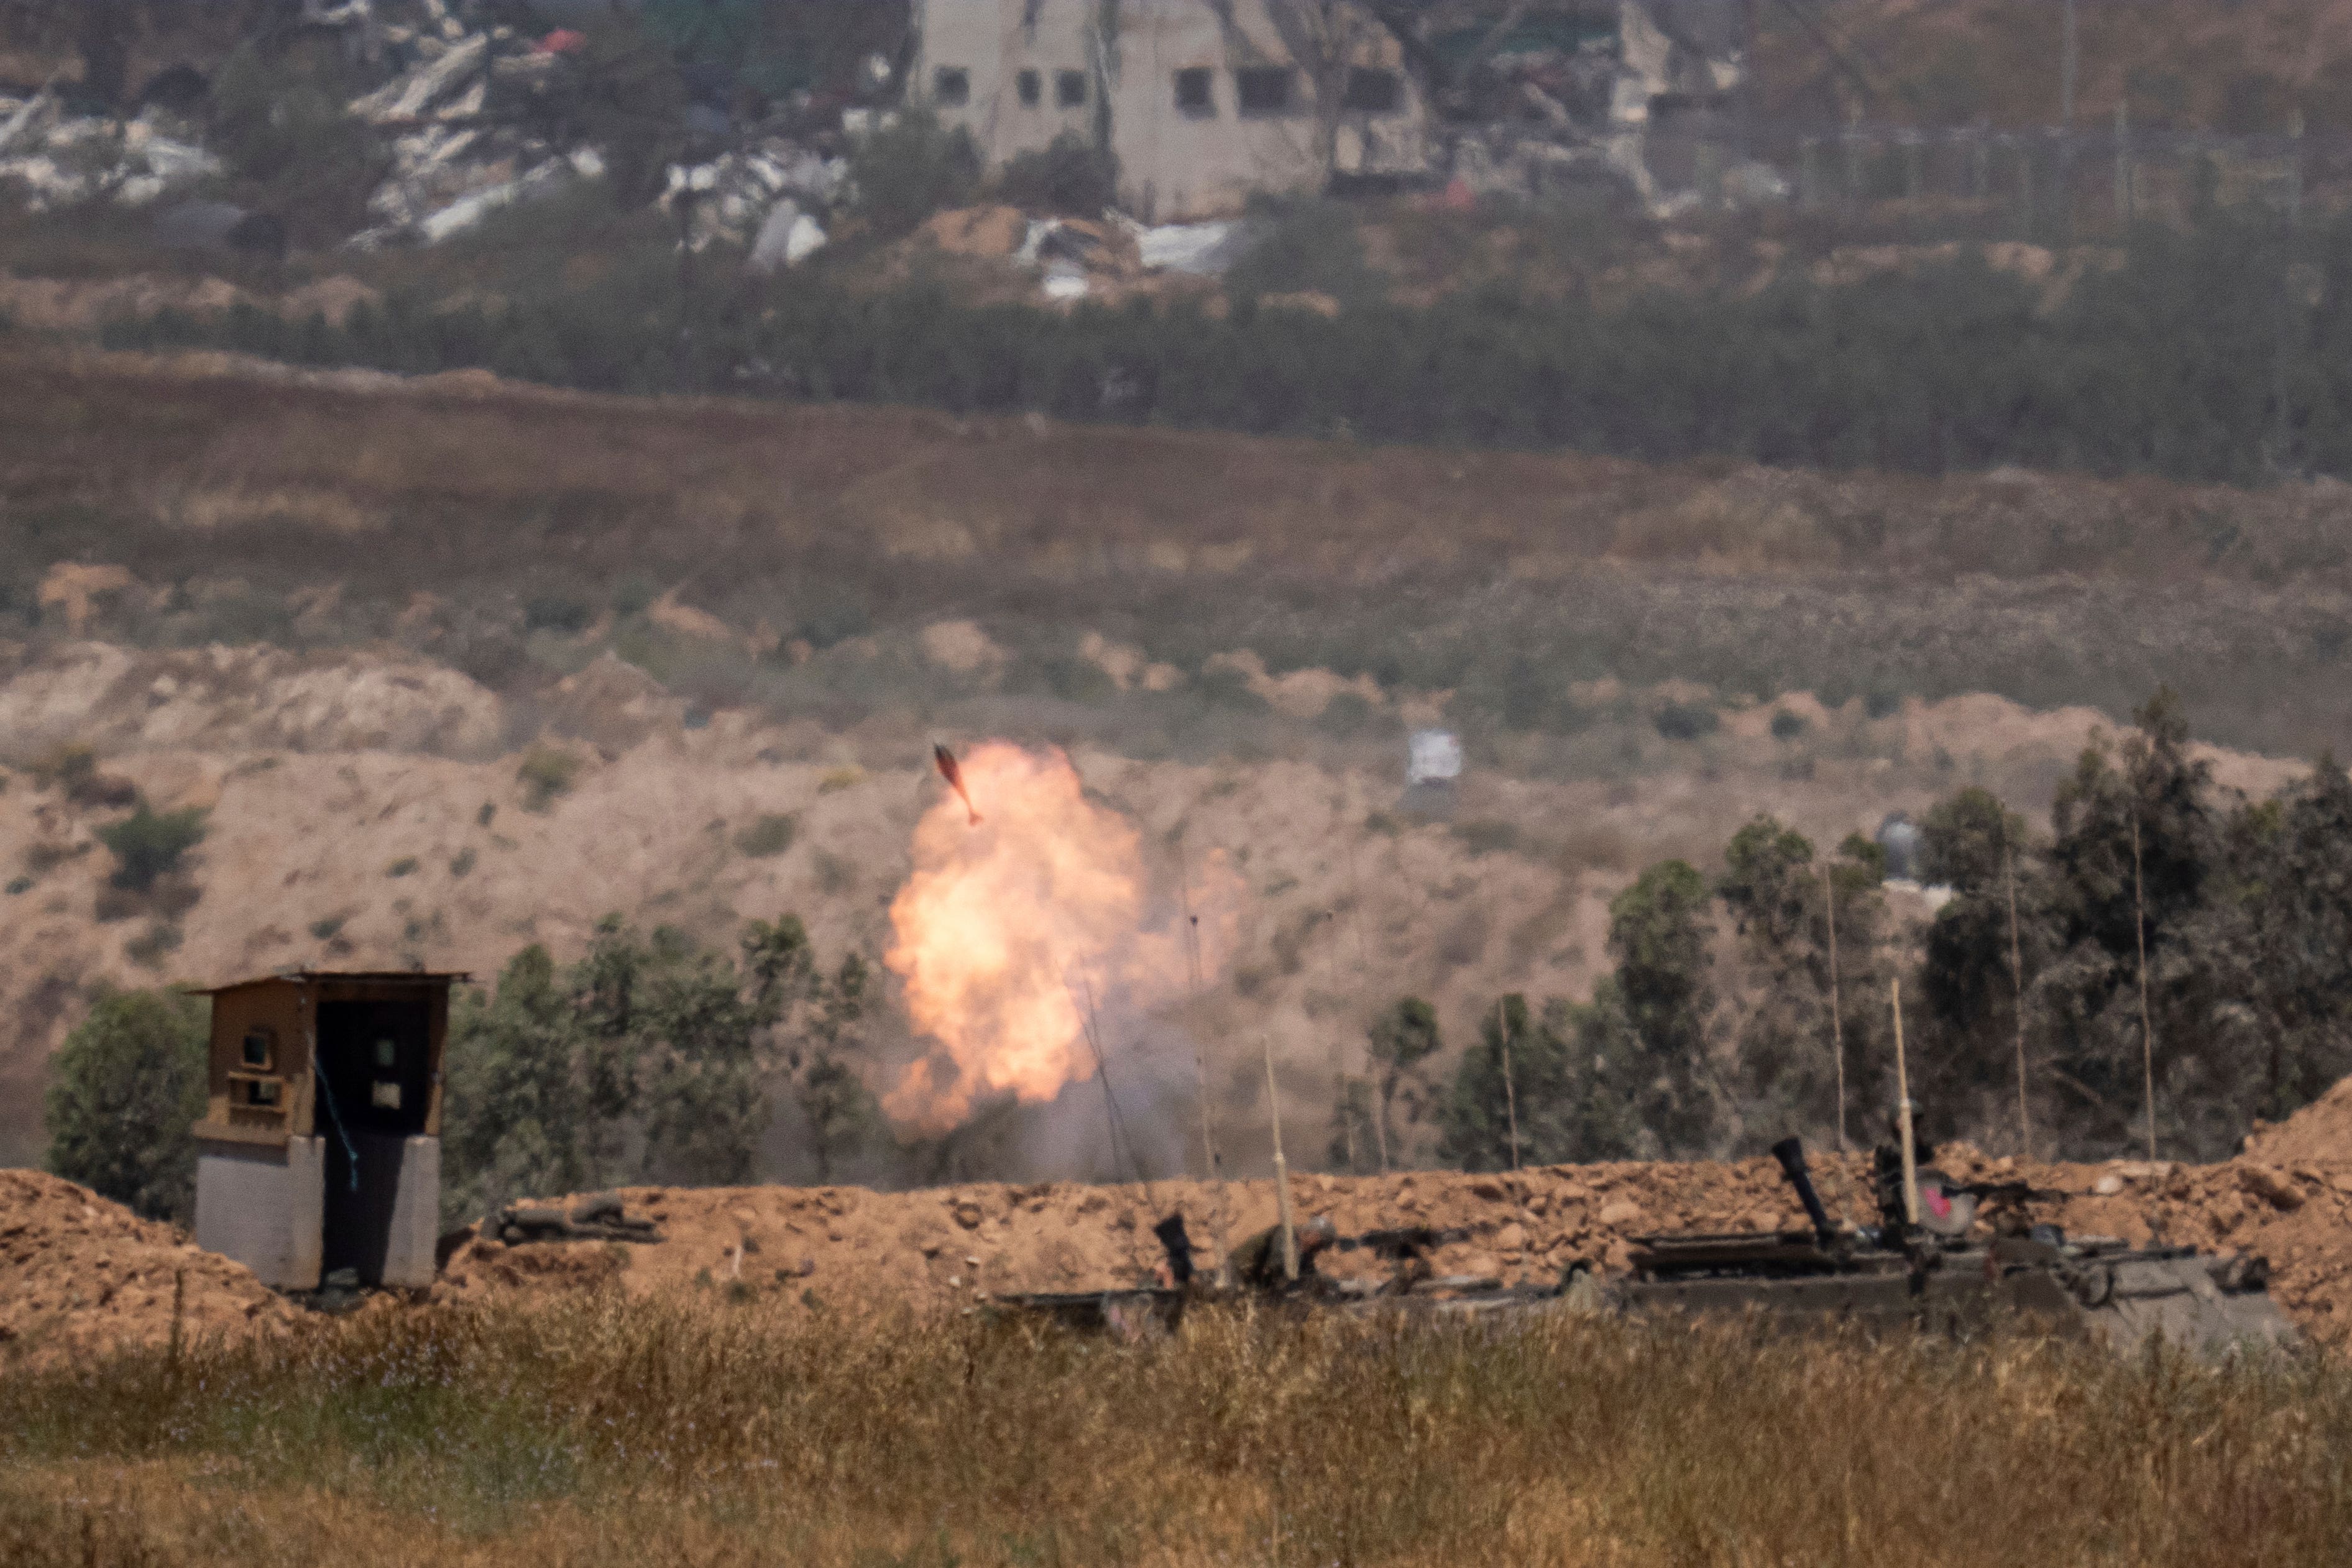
(2162, 934)
(2221, 354)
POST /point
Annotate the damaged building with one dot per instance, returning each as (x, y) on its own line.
(1200, 101)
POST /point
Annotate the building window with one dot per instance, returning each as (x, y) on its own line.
(951, 87)
(1194, 93)
(1263, 90)
(1069, 89)
(1372, 91)
(1031, 87)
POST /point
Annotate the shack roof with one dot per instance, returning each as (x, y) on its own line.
(420, 977)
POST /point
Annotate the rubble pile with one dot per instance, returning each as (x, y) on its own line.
(56, 157)
(458, 105)
(80, 1275)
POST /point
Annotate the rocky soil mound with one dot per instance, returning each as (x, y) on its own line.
(946, 1248)
(80, 1275)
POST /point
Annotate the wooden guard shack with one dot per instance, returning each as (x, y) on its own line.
(320, 1147)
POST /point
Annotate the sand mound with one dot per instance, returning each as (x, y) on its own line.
(943, 1247)
(80, 1275)
(2321, 1130)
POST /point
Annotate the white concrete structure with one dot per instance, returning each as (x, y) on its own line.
(1201, 101)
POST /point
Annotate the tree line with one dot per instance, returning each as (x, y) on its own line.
(2160, 931)
(2221, 353)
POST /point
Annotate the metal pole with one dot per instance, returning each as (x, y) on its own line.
(1281, 1173)
(2069, 58)
(1511, 1096)
(2147, 1030)
(1903, 1117)
(2123, 162)
(2069, 61)
(1837, 1022)
(2017, 986)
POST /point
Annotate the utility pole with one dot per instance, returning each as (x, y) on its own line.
(1281, 1174)
(2146, 1029)
(2017, 990)
(1837, 1022)
(1902, 1115)
(1511, 1096)
(2069, 61)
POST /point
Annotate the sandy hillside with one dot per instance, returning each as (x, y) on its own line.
(365, 810)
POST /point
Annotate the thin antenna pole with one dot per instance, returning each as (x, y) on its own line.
(1215, 1169)
(2146, 1029)
(1102, 1071)
(1902, 1115)
(1281, 1172)
(2017, 990)
(1511, 1096)
(1837, 1022)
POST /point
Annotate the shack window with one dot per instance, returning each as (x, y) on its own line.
(1194, 94)
(1069, 89)
(1032, 87)
(1263, 90)
(951, 87)
(260, 1047)
(1372, 91)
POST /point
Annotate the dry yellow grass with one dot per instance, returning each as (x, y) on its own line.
(603, 1432)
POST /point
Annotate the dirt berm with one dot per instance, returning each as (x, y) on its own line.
(79, 1276)
(2289, 1199)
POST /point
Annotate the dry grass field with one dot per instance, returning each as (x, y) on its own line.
(604, 1433)
(460, 516)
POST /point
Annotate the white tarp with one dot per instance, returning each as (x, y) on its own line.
(1433, 756)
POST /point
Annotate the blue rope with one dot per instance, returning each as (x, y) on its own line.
(351, 1149)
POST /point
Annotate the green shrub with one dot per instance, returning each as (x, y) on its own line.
(771, 834)
(547, 774)
(1306, 246)
(1882, 702)
(151, 947)
(19, 885)
(906, 172)
(1488, 837)
(328, 929)
(148, 844)
(464, 861)
(125, 1092)
(1684, 721)
(1073, 175)
(401, 867)
(1788, 726)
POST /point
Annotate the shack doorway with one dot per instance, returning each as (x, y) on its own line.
(375, 1067)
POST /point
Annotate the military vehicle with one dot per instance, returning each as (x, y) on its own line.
(1925, 1266)
(1955, 1258)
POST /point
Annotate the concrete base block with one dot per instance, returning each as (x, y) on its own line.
(265, 1207)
